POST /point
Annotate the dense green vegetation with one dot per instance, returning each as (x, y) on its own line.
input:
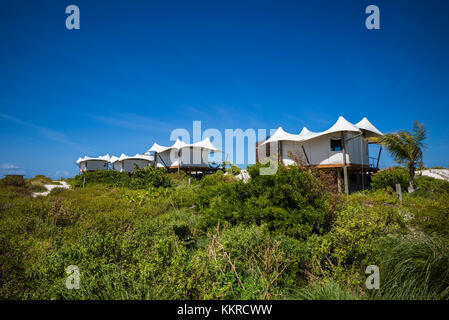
(153, 235)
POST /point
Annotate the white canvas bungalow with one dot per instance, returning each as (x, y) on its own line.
(92, 164)
(343, 146)
(183, 156)
(126, 163)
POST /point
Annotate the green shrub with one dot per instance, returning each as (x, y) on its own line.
(429, 213)
(37, 187)
(234, 170)
(9, 193)
(429, 186)
(137, 179)
(56, 191)
(13, 180)
(275, 237)
(289, 201)
(352, 244)
(42, 179)
(389, 178)
(215, 178)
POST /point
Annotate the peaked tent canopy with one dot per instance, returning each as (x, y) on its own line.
(157, 148)
(179, 144)
(340, 125)
(135, 157)
(364, 124)
(307, 134)
(204, 144)
(106, 157)
(281, 135)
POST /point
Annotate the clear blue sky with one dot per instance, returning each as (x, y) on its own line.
(138, 69)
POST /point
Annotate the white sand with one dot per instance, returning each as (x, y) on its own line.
(442, 174)
(49, 187)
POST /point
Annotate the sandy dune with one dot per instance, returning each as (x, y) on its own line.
(49, 187)
(442, 174)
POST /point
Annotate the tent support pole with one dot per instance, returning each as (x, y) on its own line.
(305, 154)
(345, 167)
(156, 155)
(378, 157)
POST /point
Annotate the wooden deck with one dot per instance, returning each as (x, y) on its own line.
(188, 168)
(351, 167)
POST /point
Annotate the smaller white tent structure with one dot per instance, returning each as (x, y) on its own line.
(126, 163)
(92, 164)
(193, 156)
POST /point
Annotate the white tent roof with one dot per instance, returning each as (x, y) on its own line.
(158, 148)
(106, 157)
(179, 144)
(364, 124)
(341, 125)
(281, 135)
(135, 157)
(307, 134)
(205, 144)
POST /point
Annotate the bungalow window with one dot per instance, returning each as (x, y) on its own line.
(336, 145)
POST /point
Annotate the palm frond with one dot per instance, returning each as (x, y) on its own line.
(406, 147)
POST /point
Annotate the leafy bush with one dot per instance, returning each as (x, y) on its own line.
(232, 168)
(275, 237)
(37, 187)
(215, 178)
(289, 201)
(9, 193)
(41, 179)
(137, 179)
(431, 186)
(56, 191)
(428, 213)
(12, 180)
(352, 244)
(389, 178)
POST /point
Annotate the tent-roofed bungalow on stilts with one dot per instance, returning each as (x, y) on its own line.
(126, 163)
(93, 164)
(343, 148)
(182, 156)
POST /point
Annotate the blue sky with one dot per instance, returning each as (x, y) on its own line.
(136, 70)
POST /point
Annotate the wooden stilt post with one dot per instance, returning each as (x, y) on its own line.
(338, 180)
(179, 162)
(345, 168)
(280, 151)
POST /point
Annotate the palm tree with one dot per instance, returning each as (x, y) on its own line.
(406, 148)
